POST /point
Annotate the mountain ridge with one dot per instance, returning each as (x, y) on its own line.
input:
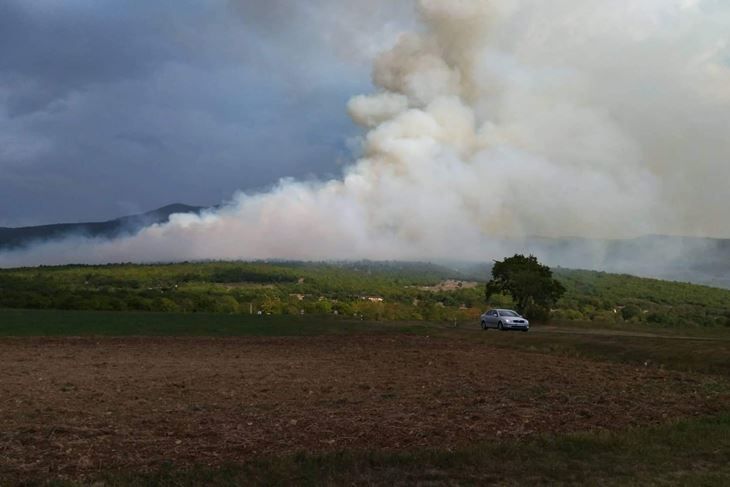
(13, 238)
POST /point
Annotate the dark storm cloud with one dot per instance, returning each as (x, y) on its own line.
(108, 107)
(47, 51)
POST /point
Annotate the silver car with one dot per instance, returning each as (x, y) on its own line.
(504, 319)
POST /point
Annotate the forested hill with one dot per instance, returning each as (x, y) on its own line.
(372, 290)
(13, 238)
(616, 297)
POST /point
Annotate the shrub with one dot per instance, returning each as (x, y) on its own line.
(630, 312)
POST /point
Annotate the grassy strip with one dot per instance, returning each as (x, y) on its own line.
(704, 356)
(23, 323)
(687, 330)
(31, 322)
(692, 452)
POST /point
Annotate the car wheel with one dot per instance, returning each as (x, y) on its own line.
(500, 327)
(484, 325)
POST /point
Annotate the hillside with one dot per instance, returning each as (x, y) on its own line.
(13, 238)
(618, 297)
(675, 258)
(372, 290)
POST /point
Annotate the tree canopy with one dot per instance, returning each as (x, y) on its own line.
(530, 284)
(410, 291)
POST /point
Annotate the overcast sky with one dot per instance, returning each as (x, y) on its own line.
(115, 107)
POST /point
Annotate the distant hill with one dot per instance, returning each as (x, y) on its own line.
(684, 259)
(687, 259)
(14, 238)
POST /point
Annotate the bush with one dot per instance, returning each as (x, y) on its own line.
(227, 304)
(661, 319)
(630, 312)
(535, 312)
(165, 305)
(603, 316)
(568, 314)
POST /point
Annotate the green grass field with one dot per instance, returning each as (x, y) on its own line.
(24, 323)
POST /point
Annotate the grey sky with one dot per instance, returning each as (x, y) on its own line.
(115, 107)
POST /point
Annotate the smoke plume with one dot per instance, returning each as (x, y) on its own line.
(497, 119)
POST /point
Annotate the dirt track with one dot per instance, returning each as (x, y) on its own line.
(70, 407)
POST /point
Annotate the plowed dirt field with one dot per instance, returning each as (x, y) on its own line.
(71, 407)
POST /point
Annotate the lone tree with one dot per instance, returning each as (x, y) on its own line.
(530, 284)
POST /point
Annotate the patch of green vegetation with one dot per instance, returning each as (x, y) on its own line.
(688, 453)
(370, 290)
(19, 323)
(599, 296)
(376, 291)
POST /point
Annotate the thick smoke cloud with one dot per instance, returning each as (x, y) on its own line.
(498, 119)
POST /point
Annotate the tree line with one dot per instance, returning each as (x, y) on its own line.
(371, 290)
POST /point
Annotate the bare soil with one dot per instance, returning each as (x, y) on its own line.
(450, 285)
(70, 407)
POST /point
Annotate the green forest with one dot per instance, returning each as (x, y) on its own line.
(367, 290)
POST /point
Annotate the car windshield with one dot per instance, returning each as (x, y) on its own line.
(509, 313)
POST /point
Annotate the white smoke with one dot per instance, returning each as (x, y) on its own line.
(497, 118)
